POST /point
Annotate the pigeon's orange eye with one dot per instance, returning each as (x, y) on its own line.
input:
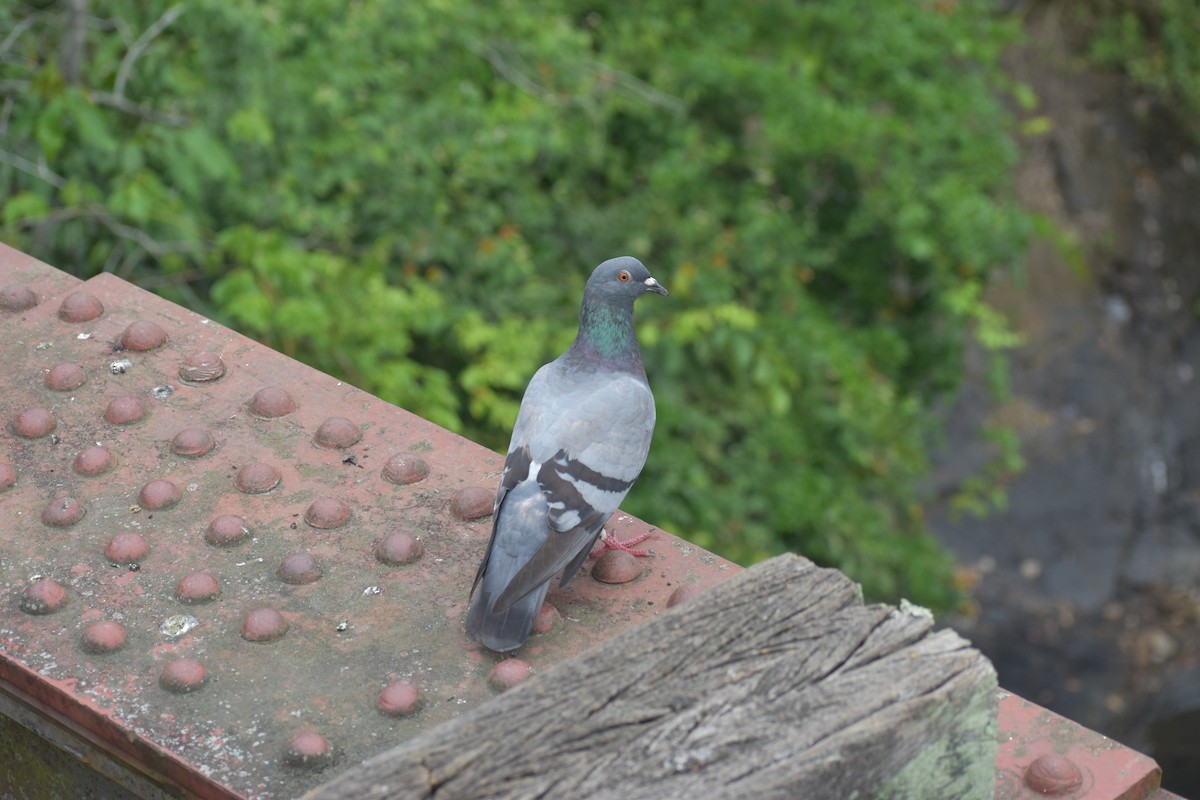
(623, 276)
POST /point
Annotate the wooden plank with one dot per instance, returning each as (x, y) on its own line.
(777, 683)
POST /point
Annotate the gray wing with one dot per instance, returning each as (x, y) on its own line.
(590, 435)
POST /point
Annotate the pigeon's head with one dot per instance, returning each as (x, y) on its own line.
(623, 278)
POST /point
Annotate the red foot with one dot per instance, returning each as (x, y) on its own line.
(610, 542)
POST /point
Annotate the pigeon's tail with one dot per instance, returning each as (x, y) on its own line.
(520, 530)
(504, 630)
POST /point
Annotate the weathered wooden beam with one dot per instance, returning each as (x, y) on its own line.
(778, 683)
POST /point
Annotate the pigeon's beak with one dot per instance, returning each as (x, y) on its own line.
(654, 286)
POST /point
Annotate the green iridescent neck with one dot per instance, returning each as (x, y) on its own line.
(606, 334)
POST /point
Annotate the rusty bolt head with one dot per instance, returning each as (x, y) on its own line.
(193, 443)
(683, 594)
(546, 617)
(8, 475)
(405, 468)
(399, 699)
(264, 625)
(272, 403)
(158, 494)
(17, 297)
(299, 568)
(104, 636)
(143, 335)
(308, 749)
(336, 433)
(125, 410)
(127, 548)
(44, 596)
(472, 502)
(616, 566)
(399, 548)
(326, 513)
(33, 423)
(95, 460)
(227, 530)
(257, 478)
(202, 367)
(80, 306)
(65, 377)
(199, 587)
(1053, 774)
(62, 512)
(509, 673)
(183, 675)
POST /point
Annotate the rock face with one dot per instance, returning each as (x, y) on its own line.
(1089, 583)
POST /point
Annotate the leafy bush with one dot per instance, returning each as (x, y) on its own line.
(411, 196)
(1154, 43)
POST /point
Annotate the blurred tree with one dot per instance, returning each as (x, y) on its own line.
(411, 195)
(1154, 43)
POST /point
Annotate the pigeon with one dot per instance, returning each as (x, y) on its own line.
(579, 442)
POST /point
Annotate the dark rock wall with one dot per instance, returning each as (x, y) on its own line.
(1089, 583)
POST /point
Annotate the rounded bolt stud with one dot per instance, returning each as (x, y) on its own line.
(473, 502)
(8, 476)
(143, 335)
(34, 423)
(158, 494)
(125, 410)
(94, 460)
(509, 673)
(257, 478)
(1053, 774)
(193, 443)
(44, 596)
(264, 625)
(546, 617)
(326, 513)
(616, 566)
(399, 699)
(336, 433)
(299, 569)
(202, 367)
(199, 587)
(127, 548)
(272, 403)
(405, 468)
(310, 750)
(227, 530)
(683, 594)
(65, 377)
(399, 548)
(62, 512)
(183, 675)
(17, 297)
(104, 636)
(80, 306)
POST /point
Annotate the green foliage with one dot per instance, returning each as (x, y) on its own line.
(411, 196)
(1155, 43)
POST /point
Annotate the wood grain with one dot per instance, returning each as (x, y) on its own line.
(778, 683)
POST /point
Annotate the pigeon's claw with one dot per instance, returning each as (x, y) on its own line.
(609, 541)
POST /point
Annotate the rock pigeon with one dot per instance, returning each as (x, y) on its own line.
(580, 441)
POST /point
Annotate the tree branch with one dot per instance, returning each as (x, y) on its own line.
(139, 47)
(16, 32)
(74, 41)
(122, 103)
(512, 73)
(38, 170)
(643, 89)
